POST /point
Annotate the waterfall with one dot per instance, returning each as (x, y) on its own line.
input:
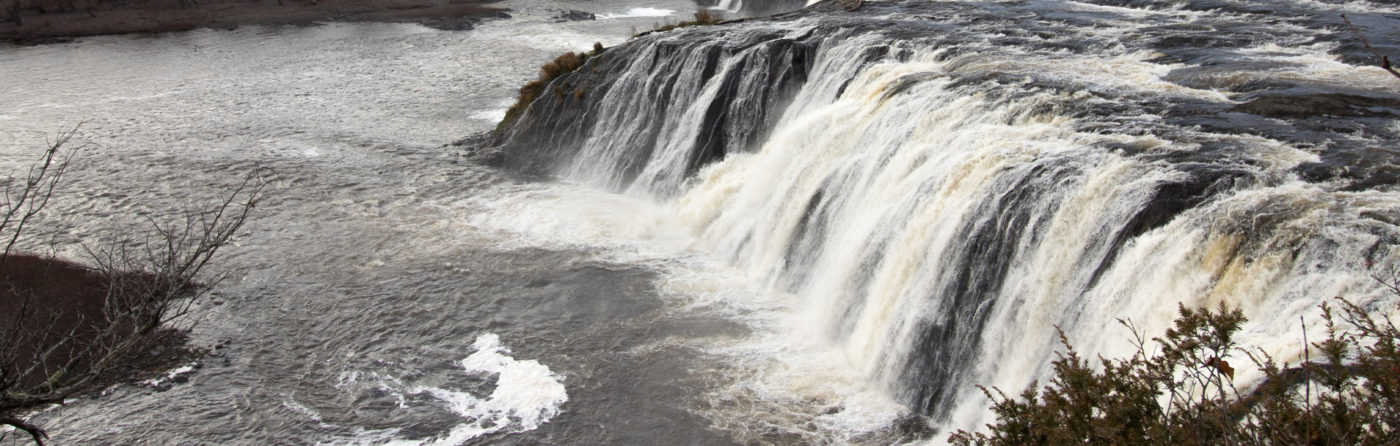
(658, 112)
(943, 185)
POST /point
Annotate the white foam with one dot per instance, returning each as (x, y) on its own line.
(171, 375)
(527, 394)
(571, 217)
(550, 39)
(802, 383)
(294, 406)
(639, 12)
(493, 115)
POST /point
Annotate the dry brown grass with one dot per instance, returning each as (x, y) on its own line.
(564, 64)
(702, 17)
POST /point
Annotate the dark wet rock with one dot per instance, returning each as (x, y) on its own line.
(1309, 105)
(1360, 169)
(462, 23)
(1171, 199)
(450, 25)
(754, 92)
(574, 15)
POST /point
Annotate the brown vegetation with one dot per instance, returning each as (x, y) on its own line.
(564, 64)
(568, 62)
(701, 17)
(1186, 393)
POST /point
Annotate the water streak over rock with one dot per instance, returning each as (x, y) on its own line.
(944, 183)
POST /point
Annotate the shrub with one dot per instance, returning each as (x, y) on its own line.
(701, 17)
(564, 64)
(569, 62)
(69, 328)
(1186, 394)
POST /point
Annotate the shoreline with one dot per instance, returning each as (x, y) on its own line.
(49, 21)
(59, 309)
(72, 330)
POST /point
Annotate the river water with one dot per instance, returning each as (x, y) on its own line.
(909, 212)
(381, 259)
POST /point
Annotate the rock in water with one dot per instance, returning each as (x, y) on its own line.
(574, 15)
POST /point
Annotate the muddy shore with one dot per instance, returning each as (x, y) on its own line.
(39, 21)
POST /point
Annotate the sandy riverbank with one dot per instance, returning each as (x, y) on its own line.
(34, 21)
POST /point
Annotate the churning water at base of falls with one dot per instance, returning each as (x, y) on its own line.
(388, 290)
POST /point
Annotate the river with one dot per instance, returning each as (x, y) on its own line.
(381, 258)
(911, 211)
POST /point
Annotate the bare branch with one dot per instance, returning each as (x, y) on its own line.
(34, 431)
(24, 203)
(135, 286)
(1385, 60)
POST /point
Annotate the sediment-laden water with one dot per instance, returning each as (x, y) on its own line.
(823, 227)
(941, 184)
(375, 297)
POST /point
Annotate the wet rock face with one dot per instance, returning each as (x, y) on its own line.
(1357, 169)
(574, 15)
(731, 89)
(1259, 95)
(1319, 105)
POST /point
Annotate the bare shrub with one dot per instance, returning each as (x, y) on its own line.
(67, 327)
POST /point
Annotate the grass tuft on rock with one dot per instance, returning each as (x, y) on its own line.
(702, 18)
(564, 64)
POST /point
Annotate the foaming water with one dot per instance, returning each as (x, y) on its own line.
(526, 394)
(777, 387)
(916, 201)
(638, 12)
(619, 227)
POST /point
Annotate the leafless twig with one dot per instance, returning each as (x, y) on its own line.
(1385, 60)
(135, 287)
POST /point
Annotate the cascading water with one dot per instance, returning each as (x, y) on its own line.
(944, 184)
(722, 93)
